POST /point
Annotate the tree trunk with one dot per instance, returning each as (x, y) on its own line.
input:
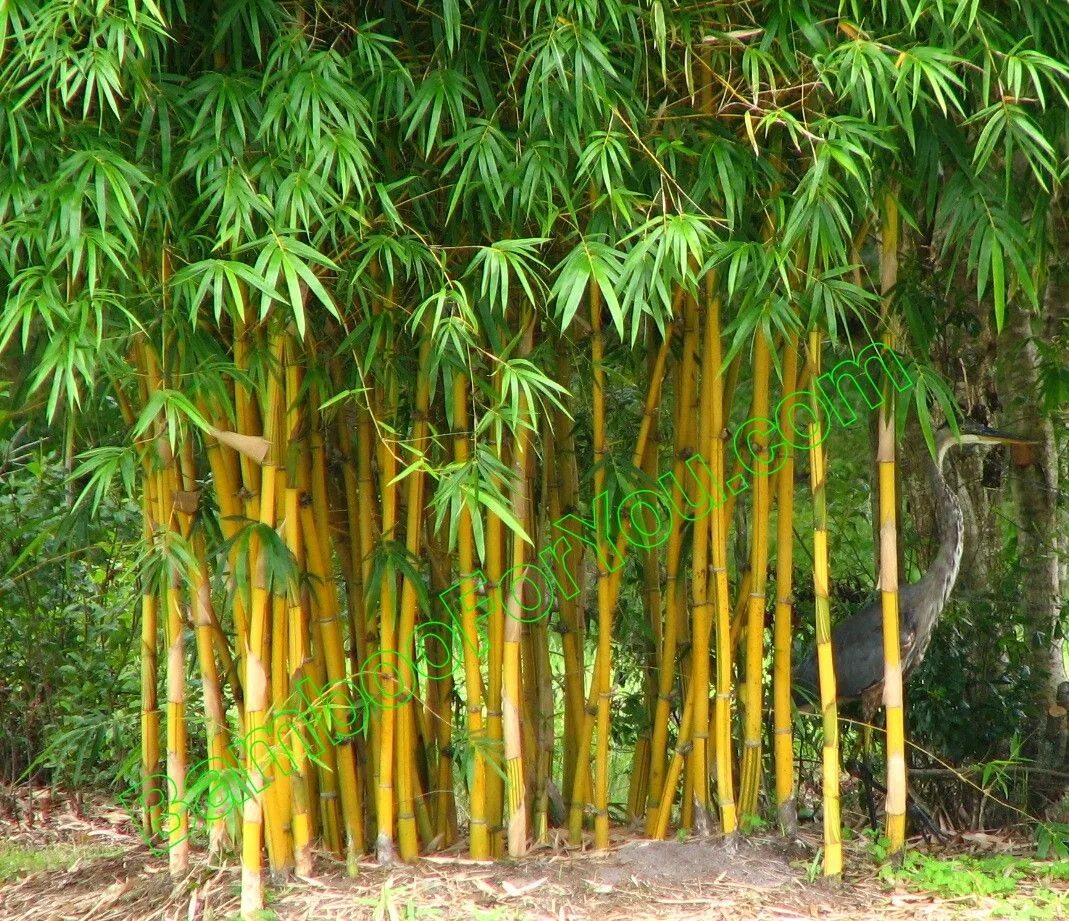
(1034, 479)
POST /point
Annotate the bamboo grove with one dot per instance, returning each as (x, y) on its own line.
(370, 297)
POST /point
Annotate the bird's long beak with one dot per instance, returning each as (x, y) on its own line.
(993, 436)
(984, 435)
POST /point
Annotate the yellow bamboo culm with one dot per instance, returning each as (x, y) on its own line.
(406, 737)
(564, 496)
(722, 740)
(512, 685)
(323, 795)
(216, 732)
(385, 802)
(701, 601)
(675, 768)
(176, 817)
(885, 457)
(675, 588)
(750, 771)
(479, 836)
(638, 791)
(783, 740)
(298, 655)
(603, 665)
(495, 655)
(833, 848)
(151, 793)
(612, 552)
(257, 807)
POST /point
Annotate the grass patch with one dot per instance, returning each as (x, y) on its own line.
(17, 860)
(1019, 888)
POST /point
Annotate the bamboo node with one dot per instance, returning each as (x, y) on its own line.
(752, 743)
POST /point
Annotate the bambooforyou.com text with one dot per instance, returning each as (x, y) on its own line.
(313, 715)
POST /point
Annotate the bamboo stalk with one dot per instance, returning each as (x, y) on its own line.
(257, 689)
(406, 741)
(833, 849)
(366, 521)
(722, 741)
(495, 569)
(892, 651)
(151, 793)
(297, 659)
(560, 459)
(511, 689)
(641, 763)
(603, 667)
(675, 589)
(783, 740)
(479, 842)
(441, 692)
(323, 780)
(218, 736)
(750, 771)
(166, 483)
(315, 521)
(701, 602)
(653, 396)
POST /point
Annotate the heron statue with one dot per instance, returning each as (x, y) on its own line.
(857, 641)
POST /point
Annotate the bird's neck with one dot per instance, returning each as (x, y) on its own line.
(943, 572)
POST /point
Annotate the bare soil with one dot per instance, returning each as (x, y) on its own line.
(759, 877)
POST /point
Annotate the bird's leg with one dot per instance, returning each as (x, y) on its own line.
(917, 814)
(922, 819)
(865, 768)
(863, 772)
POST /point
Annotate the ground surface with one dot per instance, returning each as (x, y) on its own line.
(89, 867)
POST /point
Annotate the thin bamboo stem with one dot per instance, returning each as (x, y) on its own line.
(892, 651)
(833, 849)
(783, 740)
